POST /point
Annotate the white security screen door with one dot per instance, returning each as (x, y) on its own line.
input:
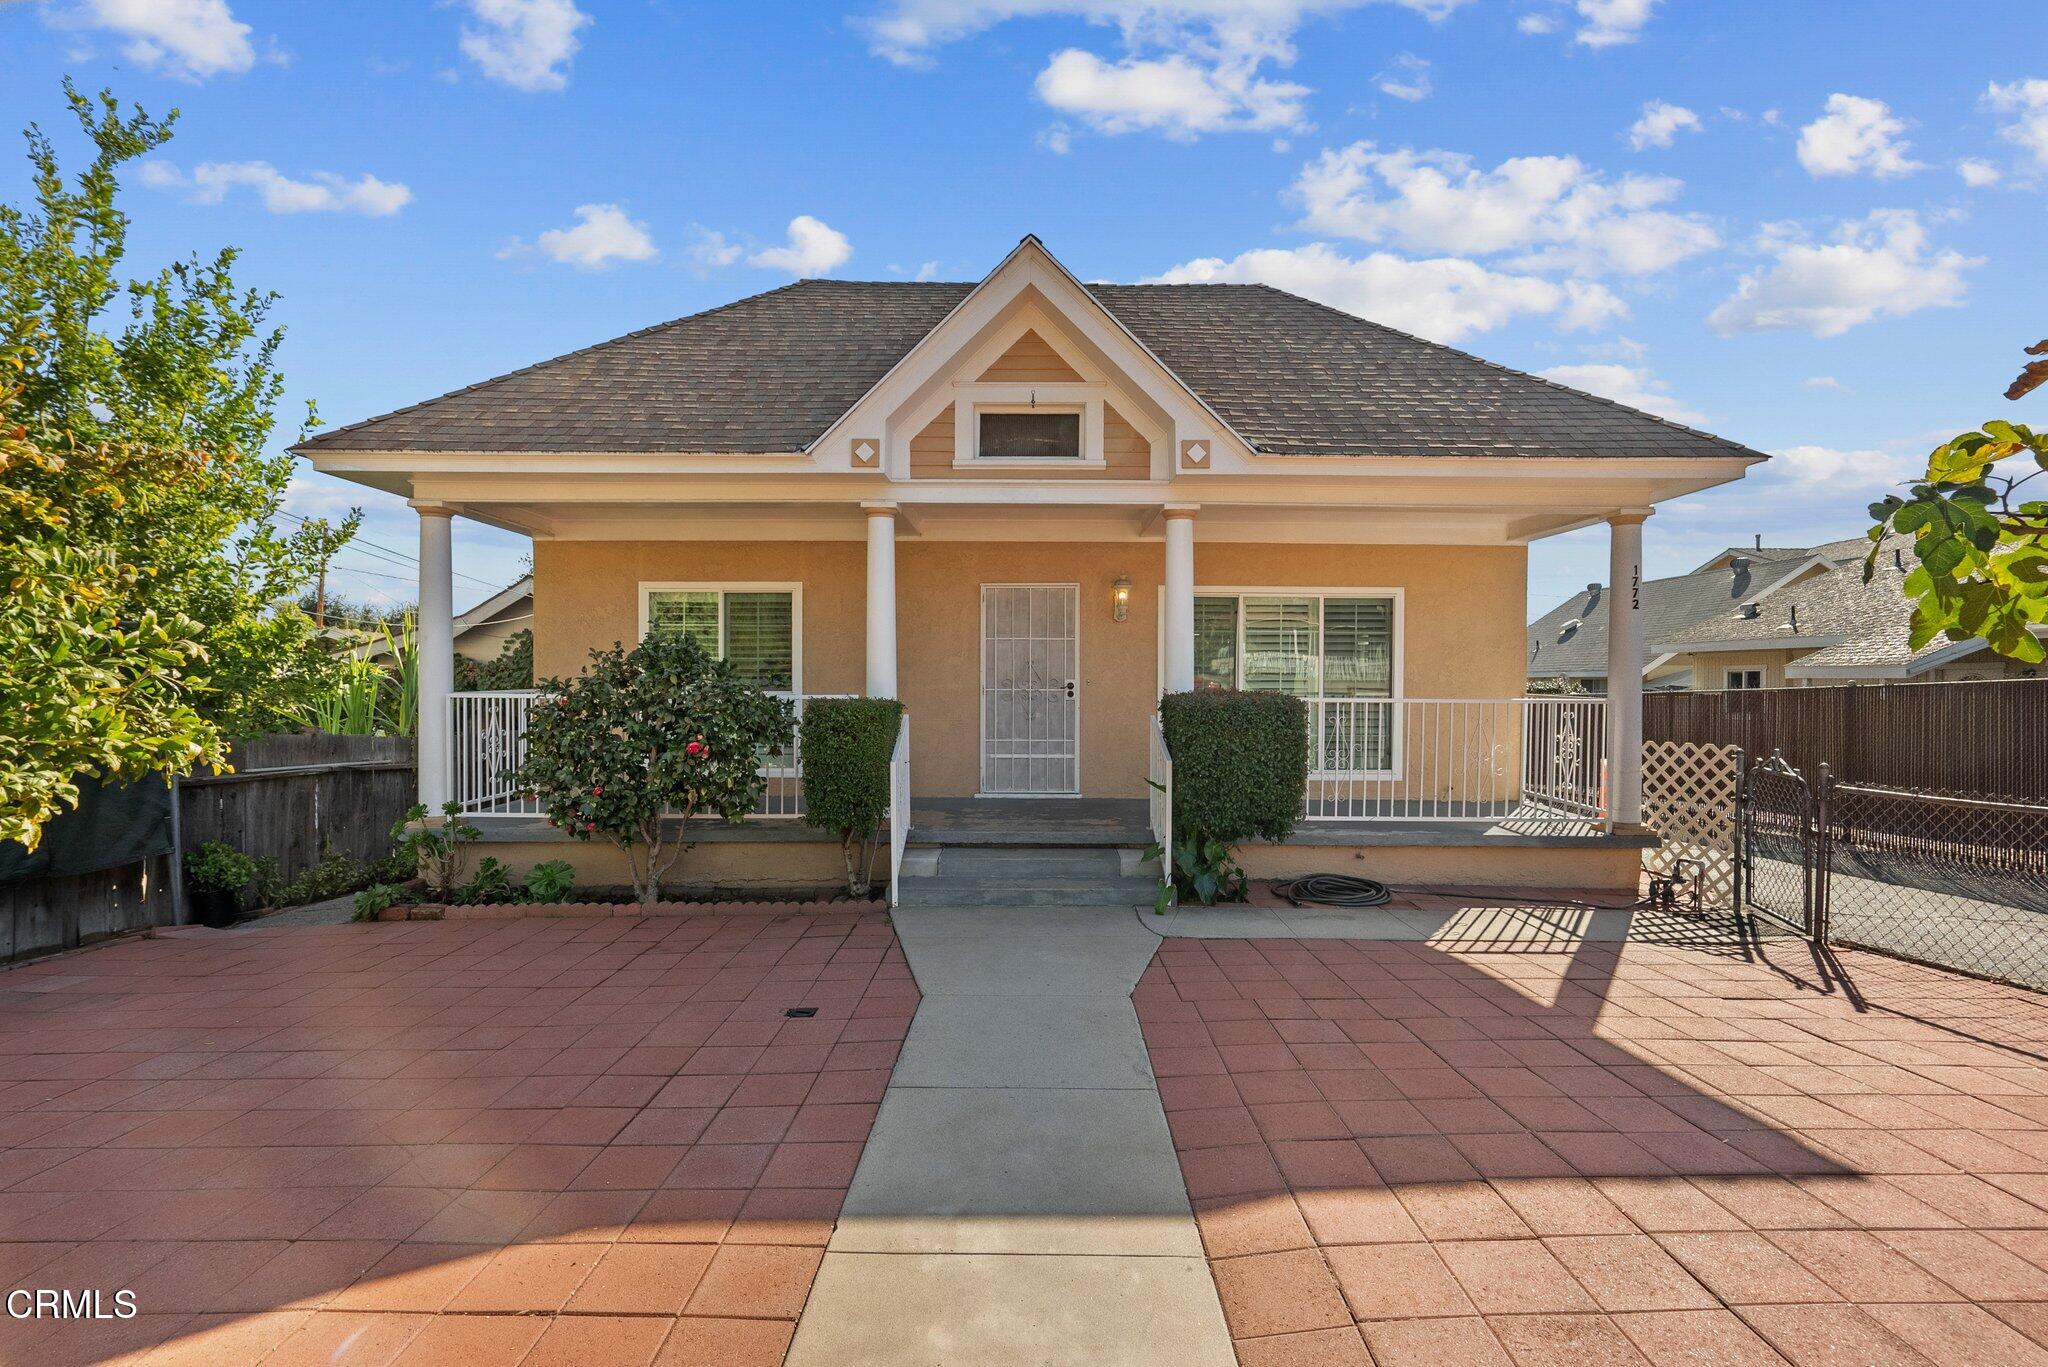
(1030, 689)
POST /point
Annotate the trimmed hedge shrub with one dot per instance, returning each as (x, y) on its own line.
(845, 747)
(1240, 762)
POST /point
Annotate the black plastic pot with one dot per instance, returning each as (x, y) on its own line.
(215, 907)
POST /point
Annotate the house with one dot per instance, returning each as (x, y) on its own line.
(1026, 506)
(480, 633)
(1764, 617)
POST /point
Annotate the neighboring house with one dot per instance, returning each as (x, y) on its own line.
(1028, 505)
(480, 634)
(1764, 617)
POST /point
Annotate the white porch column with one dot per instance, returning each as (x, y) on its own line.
(437, 652)
(1625, 670)
(1180, 599)
(881, 602)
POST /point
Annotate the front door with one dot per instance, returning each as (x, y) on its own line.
(1030, 690)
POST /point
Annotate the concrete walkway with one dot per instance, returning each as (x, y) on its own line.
(1019, 1200)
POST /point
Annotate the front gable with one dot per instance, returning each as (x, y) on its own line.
(1029, 339)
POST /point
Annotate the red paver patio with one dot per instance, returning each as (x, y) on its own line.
(555, 1141)
(1405, 1154)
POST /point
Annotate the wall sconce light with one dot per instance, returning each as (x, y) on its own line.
(1120, 597)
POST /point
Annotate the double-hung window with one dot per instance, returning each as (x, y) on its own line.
(1336, 650)
(755, 629)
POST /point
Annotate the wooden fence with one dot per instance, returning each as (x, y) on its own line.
(299, 798)
(292, 798)
(1985, 739)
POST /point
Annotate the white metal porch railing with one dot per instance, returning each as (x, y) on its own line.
(899, 807)
(487, 741)
(1159, 773)
(1454, 759)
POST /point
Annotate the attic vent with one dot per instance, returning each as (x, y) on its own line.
(1564, 633)
(1792, 617)
(1739, 564)
(1750, 609)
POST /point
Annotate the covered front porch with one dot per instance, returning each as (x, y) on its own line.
(1030, 646)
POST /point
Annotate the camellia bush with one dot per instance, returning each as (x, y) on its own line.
(845, 749)
(661, 729)
(1240, 772)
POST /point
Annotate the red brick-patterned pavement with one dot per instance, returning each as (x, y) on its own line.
(548, 1141)
(1405, 1154)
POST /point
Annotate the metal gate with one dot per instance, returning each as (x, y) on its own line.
(1030, 690)
(1781, 854)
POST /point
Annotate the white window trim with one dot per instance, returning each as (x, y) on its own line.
(1398, 683)
(722, 587)
(972, 399)
(1089, 413)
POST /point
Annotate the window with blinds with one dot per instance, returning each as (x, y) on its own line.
(755, 630)
(1306, 644)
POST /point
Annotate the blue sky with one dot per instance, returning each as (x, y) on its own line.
(1814, 228)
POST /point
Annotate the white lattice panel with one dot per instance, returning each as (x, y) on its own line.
(1689, 800)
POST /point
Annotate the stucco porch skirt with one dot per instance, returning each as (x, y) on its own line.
(1460, 635)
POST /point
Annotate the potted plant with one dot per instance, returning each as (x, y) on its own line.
(217, 876)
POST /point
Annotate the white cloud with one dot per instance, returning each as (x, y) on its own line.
(525, 44)
(2027, 101)
(1406, 78)
(1444, 299)
(1825, 469)
(323, 192)
(1823, 382)
(1856, 135)
(602, 235)
(812, 249)
(1188, 66)
(1602, 23)
(712, 250)
(188, 39)
(1660, 123)
(1555, 210)
(928, 271)
(1175, 95)
(1879, 266)
(1627, 384)
(909, 31)
(1611, 22)
(1977, 173)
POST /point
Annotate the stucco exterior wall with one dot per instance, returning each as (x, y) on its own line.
(779, 865)
(1461, 623)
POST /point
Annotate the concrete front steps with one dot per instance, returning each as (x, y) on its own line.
(1009, 875)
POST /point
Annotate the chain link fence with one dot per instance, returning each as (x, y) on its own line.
(1958, 882)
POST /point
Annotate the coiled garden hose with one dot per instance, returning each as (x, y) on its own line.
(1334, 890)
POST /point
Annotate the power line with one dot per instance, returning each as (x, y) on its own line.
(365, 547)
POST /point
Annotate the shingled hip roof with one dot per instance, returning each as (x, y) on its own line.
(771, 373)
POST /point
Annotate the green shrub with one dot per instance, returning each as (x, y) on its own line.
(662, 729)
(434, 851)
(374, 900)
(491, 883)
(1240, 762)
(1240, 772)
(550, 881)
(845, 749)
(220, 866)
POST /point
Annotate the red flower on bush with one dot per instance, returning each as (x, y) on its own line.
(695, 747)
(597, 792)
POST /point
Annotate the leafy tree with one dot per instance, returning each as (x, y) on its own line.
(180, 361)
(662, 729)
(88, 684)
(1981, 539)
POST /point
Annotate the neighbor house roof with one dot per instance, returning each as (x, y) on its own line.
(771, 373)
(1808, 597)
(1571, 639)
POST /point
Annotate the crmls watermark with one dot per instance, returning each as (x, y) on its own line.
(48, 1303)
